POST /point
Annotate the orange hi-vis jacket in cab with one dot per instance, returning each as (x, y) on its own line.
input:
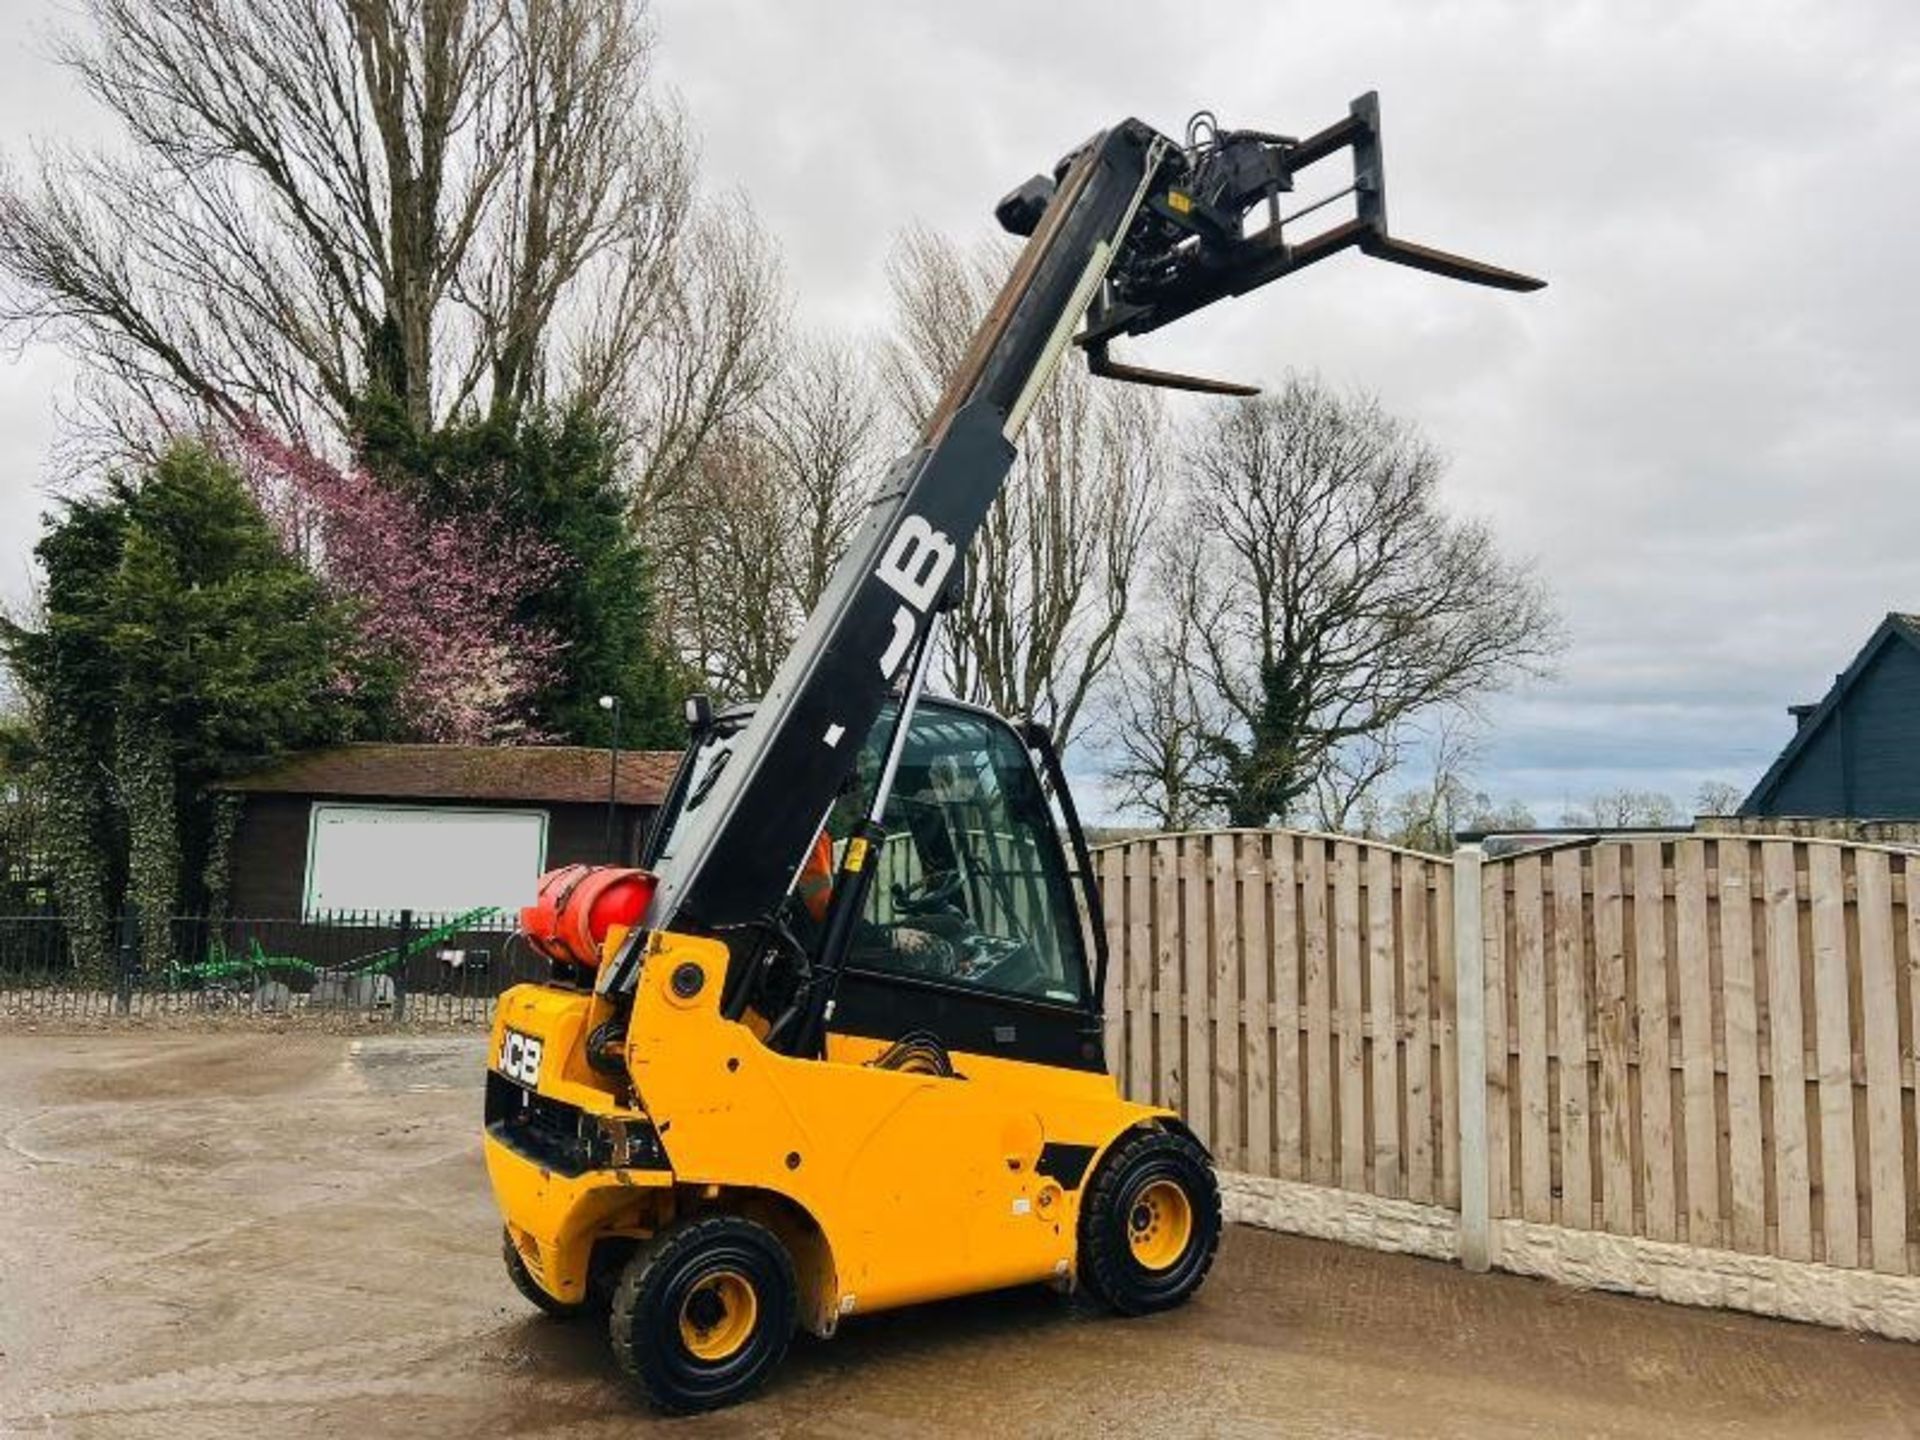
(815, 886)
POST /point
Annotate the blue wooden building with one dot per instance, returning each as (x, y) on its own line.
(1855, 754)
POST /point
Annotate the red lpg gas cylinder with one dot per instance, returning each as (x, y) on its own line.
(579, 904)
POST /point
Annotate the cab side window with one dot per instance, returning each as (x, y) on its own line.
(969, 886)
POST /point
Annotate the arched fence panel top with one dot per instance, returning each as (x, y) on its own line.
(1331, 837)
(1589, 841)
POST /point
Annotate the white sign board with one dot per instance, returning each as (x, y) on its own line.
(389, 858)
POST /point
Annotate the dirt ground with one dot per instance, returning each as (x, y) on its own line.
(238, 1234)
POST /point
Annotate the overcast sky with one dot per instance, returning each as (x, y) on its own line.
(1705, 432)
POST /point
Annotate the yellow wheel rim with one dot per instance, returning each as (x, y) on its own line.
(1159, 1224)
(718, 1315)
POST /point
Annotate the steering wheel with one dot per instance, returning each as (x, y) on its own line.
(931, 892)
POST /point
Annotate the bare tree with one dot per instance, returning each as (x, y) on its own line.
(454, 202)
(1718, 797)
(718, 548)
(1427, 816)
(1051, 574)
(1347, 784)
(722, 321)
(820, 421)
(747, 545)
(1624, 810)
(1485, 813)
(1155, 731)
(939, 294)
(1330, 600)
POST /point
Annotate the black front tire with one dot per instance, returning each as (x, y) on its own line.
(1150, 1223)
(524, 1282)
(704, 1313)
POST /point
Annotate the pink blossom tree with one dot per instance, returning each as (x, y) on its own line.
(440, 594)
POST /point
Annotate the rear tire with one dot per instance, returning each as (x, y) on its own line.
(1150, 1224)
(524, 1282)
(704, 1313)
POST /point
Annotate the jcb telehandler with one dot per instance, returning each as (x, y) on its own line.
(837, 1046)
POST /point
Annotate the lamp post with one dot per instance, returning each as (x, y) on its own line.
(611, 704)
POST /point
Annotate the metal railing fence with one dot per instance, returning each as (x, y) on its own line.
(406, 966)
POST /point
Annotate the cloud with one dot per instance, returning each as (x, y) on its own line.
(1704, 432)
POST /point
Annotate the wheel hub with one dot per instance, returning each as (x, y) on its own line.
(1159, 1224)
(718, 1316)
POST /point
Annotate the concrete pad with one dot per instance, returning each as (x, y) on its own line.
(241, 1234)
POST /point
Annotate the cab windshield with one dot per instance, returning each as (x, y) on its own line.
(970, 886)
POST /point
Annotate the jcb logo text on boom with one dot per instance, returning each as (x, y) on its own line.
(914, 568)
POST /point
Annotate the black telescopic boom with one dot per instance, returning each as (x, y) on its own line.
(1141, 230)
(742, 847)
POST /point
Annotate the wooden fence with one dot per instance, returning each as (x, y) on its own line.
(1702, 1040)
(1707, 1041)
(1292, 996)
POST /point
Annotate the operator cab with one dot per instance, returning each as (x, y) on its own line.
(974, 926)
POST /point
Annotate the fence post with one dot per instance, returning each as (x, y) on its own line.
(1470, 1035)
(127, 955)
(400, 967)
